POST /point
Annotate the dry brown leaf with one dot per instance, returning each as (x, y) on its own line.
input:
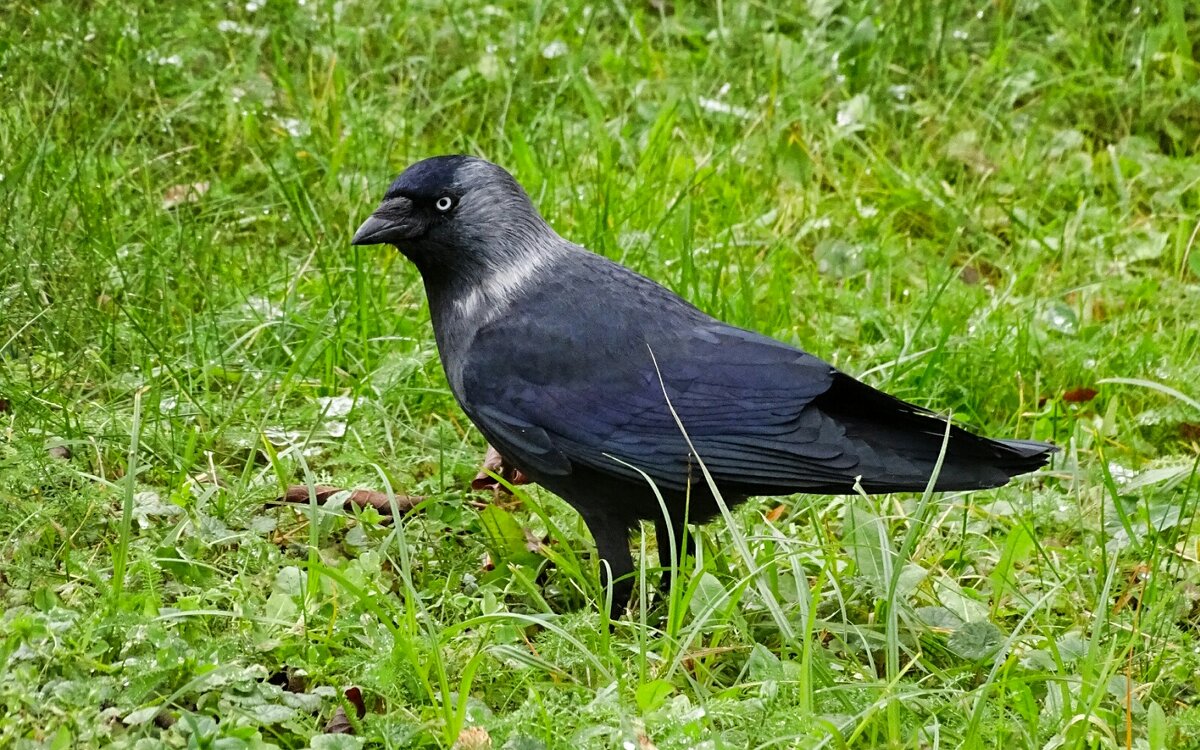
(494, 462)
(298, 493)
(340, 723)
(774, 514)
(1079, 395)
(354, 697)
(177, 195)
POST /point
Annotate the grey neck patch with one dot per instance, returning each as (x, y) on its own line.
(488, 291)
(500, 287)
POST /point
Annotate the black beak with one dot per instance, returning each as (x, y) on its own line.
(394, 221)
(374, 231)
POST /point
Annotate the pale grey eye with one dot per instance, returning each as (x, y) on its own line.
(444, 203)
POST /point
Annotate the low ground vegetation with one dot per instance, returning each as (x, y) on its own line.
(989, 209)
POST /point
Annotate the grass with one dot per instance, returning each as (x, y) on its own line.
(990, 209)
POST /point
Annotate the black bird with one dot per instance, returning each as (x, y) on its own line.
(566, 362)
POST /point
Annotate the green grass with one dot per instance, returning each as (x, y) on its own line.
(979, 207)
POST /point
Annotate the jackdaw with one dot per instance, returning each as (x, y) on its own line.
(576, 368)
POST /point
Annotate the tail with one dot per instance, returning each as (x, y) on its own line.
(901, 444)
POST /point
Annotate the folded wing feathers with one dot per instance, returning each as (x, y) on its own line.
(758, 412)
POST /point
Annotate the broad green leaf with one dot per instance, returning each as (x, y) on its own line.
(939, 617)
(1072, 646)
(1017, 548)
(976, 641)
(959, 601)
(764, 665)
(709, 593)
(335, 742)
(1156, 727)
(650, 695)
(504, 534)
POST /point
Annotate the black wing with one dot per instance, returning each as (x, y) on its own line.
(743, 399)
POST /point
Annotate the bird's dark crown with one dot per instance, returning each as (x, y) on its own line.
(429, 178)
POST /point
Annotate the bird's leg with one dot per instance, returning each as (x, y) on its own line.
(616, 562)
(684, 545)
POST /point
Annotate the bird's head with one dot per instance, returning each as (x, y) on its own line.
(451, 211)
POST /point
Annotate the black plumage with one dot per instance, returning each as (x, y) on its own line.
(571, 365)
